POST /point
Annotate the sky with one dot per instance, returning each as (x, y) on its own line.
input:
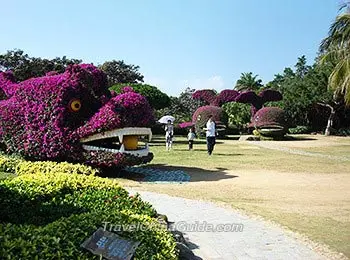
(177, 43)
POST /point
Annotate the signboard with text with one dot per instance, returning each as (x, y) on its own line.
(110, 245)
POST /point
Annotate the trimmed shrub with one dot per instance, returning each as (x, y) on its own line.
(270, 116)
(270, 121)
(207, 95)
(8, 163)
(257, 101)
(201, 116)
(48, 216)
(343, 132)
(300, 129)
(213, 99)
(45, 117)
(18, 166)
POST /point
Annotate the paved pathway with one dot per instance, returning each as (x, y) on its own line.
(270, 145)
(257, 240)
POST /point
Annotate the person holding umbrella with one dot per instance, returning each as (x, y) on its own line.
(169, 133)
(169, 130)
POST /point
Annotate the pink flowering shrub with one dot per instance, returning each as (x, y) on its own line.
(45, 118)
(186, 124)
(272, 120)
(127, 89)
(215, 101)
(207, 95)
(6, 82)
(257, 101)
(2, 94)
(225, 96)
(201, 116)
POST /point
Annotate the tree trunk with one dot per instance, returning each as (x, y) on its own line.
(330, 119)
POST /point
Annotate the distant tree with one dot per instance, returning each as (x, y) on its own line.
(120, 72)
(182, 107)
(301, 69)
(248, 82)
(156, 98)
(176, 109)
(302, 88)
(25, 67)
(238, 114)
(188, 102)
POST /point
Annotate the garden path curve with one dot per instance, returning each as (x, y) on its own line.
(274, 146)
(258, 240)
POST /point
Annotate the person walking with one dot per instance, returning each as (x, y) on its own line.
(169, 132)
(190, 137)
(210, 134)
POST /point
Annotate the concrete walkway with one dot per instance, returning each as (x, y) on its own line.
(274, 146)
(247, 238)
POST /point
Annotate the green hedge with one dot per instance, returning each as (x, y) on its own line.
(49, 215)
(19, 166)
(300, 129)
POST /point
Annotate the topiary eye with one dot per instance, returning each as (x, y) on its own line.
(74, 105)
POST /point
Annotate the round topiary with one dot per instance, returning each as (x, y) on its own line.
(270, 121)
(201, 116)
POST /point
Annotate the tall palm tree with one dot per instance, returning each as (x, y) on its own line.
(248, 82)
(335, 49)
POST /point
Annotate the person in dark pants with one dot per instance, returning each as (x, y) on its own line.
(210, 134)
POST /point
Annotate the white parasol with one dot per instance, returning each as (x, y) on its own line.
(165, 119)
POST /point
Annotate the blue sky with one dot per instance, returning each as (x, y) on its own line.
(177, 43)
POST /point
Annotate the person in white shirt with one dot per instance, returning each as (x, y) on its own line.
(190, 137)
(169, 132)
(210, 134)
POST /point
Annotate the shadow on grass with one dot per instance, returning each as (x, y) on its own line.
(298, 138)
(228, 154)
(161, 142)
(288, 138)
(196, 174)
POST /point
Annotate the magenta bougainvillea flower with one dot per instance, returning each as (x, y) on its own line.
(270, 117)
(258, 101)
(270, 121)
(214, 102)
(213, 99)
(73, 117)
(201, 115)
(186, 124)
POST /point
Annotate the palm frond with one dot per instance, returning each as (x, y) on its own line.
(334, 55)
(339, 33)
(339, 80)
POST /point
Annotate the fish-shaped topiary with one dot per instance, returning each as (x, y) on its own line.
(73, 117)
